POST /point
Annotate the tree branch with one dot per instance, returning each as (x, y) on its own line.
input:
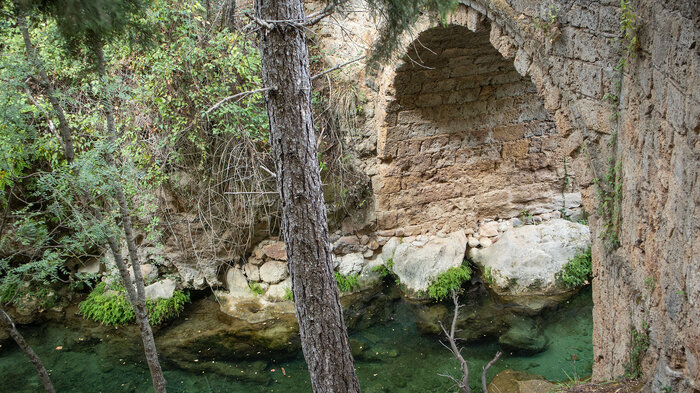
(241, 95)
(486, 369)
(339, 66)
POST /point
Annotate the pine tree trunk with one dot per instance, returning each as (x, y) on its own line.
(285, 65)
(138, 299)
(24, 346)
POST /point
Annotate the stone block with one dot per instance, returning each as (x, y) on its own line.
(515, 150)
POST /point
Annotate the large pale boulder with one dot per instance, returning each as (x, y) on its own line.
(419, 259)
(522, 266)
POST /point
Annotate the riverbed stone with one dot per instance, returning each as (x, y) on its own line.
(416, 265)
(524, 263)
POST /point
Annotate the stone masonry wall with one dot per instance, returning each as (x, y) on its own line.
(650, 282)
(466, 137)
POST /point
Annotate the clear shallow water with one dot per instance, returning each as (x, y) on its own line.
(394, 358)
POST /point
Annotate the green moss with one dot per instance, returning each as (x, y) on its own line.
(346, 283)
(488, 275)
(578, 271)
(256, 288)
(288, 294)
(113, 308)
(452, 279)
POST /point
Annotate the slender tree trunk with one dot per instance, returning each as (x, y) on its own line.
(285, 65)
(136, 297)
(139, 297)
(46, 84)
(9, 326)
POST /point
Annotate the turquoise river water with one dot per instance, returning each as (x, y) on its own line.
(398, 359)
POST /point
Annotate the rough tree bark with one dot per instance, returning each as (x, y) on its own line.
(285, 66)
(24, 346)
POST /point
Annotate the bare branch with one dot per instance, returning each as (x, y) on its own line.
(239, 95)
(486, 369)
(339, 66)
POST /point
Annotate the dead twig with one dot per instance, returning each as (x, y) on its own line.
(339, 66)
(463, 385)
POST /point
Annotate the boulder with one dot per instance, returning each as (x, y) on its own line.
(276, 251)
(417, 261)
(93, 266)
(162, 289)
(278, 292)
(236, 281)
(273, 272)
(522, 266)
(350, 263)
(347, 245)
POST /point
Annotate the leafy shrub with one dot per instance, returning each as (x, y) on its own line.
(113, 308)
(346, 283)
(442, 285)
(161, 310)
(578, 271)
(107, 308)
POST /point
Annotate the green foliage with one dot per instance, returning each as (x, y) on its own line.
(578, 270)
(609, 198)
(346, 283)
(452, 279)
(396, 18)
(288, 294)
(109, 306)
(526, 216)
(548, 25)
(256, 288)
(161, 310)
(628, 28)
(488, 275)
(638, 348)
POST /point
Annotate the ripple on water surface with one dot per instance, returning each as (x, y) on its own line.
(392, 357)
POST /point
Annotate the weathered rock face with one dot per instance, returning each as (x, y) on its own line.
(523, 264)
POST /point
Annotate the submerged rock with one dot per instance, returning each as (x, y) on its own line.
(523, 337)
(522, 266)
